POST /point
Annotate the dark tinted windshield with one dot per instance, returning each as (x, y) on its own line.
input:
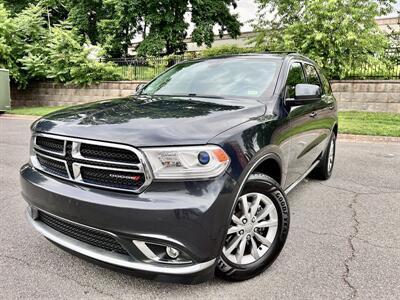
(241, 77)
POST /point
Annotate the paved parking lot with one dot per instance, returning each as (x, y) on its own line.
(344, 239)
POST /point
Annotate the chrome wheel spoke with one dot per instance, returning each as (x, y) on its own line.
(255, 205)
(264, 224)
(263, 240)
(265, 212)
(254, 249)
(236, 220)
(240, 251)
(234, 229)
(245, 206)
(233, 244)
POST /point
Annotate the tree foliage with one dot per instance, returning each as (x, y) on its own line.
(163, 24)
(168, 28)
(228, 50)
(337, 34)
(32, 50)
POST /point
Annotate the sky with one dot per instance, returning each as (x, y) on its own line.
(396, 9)
(247, 10)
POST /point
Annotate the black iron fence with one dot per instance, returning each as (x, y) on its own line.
(386, 66)
(146, 68)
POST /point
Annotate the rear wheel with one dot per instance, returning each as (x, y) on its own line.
(324, 169)
(257, 231)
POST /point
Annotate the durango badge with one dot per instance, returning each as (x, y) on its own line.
(134, 178)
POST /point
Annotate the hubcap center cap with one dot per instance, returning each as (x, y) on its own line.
(248, 228)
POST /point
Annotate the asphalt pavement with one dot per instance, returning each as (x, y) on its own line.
(344, 240)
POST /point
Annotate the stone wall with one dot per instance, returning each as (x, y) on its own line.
(56, 94)
(359, 95)
(368, 95)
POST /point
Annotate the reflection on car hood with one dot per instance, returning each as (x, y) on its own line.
(151, 121)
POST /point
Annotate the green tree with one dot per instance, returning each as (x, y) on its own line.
(21, 36)
(33, 50)
(118, 28)
(114, 23)
(6, 30)
(85, 15)
(167, 27)
(335, 33)
(16, 6)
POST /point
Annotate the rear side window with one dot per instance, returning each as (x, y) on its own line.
(325, 83)
(312, 75)
(295, 76)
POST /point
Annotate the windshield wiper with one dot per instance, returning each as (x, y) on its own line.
(204, 96)
(188, 95)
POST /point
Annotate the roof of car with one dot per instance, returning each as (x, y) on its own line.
(272, 54)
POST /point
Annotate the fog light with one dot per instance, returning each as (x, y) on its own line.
(172, 252)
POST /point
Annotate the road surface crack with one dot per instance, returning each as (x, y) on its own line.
(350, 239)
(320, 233)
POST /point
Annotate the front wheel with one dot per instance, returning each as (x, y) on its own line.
(257, 231)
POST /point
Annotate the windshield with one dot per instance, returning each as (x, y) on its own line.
(239, 77)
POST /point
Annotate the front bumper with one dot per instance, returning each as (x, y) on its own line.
(189, 216)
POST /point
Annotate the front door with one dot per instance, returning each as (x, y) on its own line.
(307, 126)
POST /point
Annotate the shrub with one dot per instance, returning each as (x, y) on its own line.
(228, 49)
(69, 61)
(33, 52)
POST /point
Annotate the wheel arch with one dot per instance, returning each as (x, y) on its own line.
(271, 167)
(269, 154)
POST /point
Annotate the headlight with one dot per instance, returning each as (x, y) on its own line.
(197, 162)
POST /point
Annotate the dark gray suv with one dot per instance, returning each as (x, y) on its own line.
(189, 177)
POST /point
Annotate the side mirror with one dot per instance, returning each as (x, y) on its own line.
(139, 88)
(305, 94)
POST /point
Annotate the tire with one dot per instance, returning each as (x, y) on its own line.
(324, 169)
(271, 209)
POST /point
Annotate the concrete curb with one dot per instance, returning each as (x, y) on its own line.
(18, 117)
(354, 138)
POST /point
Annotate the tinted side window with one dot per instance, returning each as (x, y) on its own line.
(312, 75)
(295, 76)
(325, 83)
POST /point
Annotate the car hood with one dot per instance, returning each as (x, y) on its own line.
(151, 121)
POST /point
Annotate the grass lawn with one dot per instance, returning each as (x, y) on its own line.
(350, 122)
(34, 111)
(369, 123)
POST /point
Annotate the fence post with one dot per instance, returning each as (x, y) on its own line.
(135, 76)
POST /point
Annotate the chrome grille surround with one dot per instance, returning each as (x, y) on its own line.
(78, 161)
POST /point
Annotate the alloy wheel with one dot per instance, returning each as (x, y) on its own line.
(252, 230)
(331, 155)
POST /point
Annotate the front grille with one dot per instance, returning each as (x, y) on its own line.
(110, 178)
(108, 154)
(87, 235)
(104, 165)
(49, 144)
(52, 166)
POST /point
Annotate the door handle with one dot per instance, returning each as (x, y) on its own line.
(313, 114)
